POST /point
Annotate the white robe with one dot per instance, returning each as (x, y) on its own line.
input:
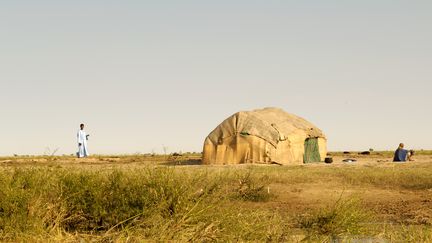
(82, 139)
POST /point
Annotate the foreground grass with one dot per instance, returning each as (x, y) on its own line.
(150, 203)
(196, 204)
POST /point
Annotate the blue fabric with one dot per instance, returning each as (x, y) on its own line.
(400, 155)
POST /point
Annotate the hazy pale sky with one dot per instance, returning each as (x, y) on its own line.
(143, 75)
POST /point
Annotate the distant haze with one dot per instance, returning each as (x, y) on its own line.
(143, 75)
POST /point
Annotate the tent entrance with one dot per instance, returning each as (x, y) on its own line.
(311, 153)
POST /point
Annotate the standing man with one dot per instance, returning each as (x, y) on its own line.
(82, 143)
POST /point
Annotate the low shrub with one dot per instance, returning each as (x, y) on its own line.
(252, 187)
(345, 217)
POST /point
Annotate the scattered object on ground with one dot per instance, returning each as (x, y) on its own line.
(349, 160)
(346, 152)
(382, 160)
(328, 160)
(365, 153)
(275, 163)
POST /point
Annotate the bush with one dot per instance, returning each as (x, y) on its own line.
(88, 201)
(345, 217)
(252, 188)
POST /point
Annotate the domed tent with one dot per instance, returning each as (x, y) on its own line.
(268, 135)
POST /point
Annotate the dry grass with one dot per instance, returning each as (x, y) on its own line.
(136, 198)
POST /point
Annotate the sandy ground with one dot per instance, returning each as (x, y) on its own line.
(393, 204)
(375, 159)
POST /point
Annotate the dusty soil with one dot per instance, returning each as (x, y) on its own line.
(392, 204)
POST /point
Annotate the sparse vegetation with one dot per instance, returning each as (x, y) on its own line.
(344, 217)
(156, 202)
(253, 188)
(135, 198)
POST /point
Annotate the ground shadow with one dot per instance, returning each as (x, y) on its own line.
(183, 162)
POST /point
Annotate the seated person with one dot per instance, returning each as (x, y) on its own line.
(402, 154)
